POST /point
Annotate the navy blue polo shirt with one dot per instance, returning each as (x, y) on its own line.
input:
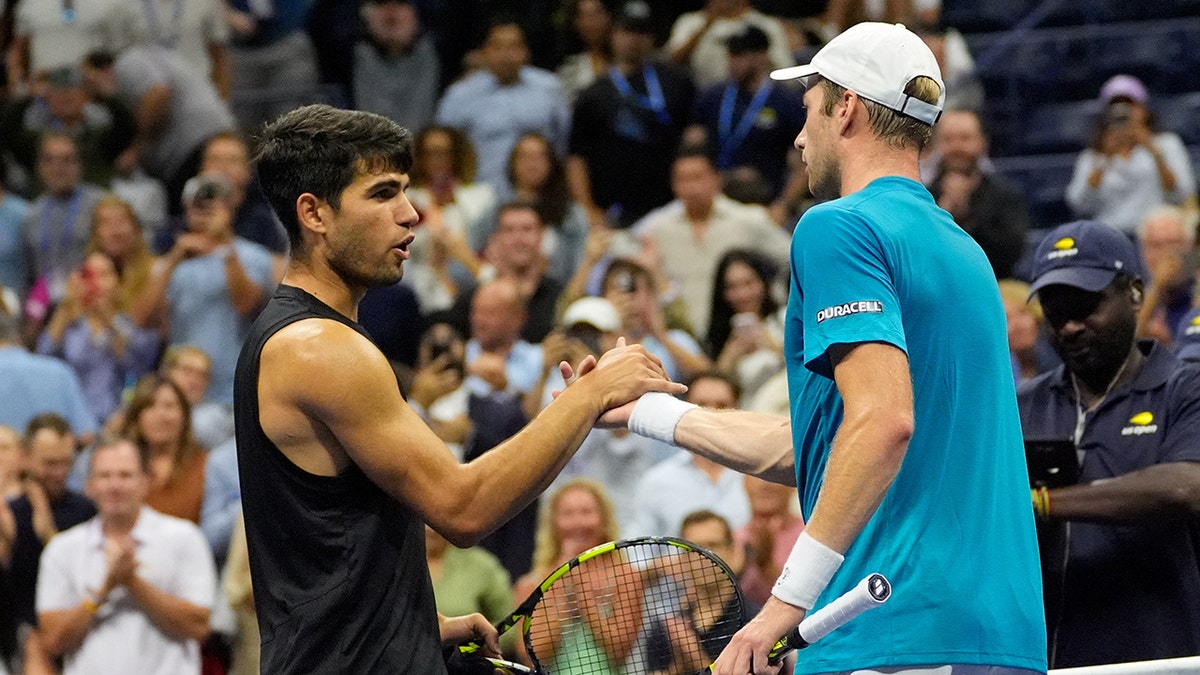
(1128, 592)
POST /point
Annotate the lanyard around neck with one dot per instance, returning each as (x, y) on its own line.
(653, 100)
(729, 136)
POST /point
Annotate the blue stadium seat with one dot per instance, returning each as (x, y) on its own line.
(1043, 179)
(1180, 114)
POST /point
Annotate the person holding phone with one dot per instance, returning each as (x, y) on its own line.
(1130, 167)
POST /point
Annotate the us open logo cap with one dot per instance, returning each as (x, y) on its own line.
(1085, 254)
(876, 61)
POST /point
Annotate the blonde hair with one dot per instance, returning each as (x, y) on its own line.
(547, 548)
(1017, 292)
(894, 128)
(134, 270)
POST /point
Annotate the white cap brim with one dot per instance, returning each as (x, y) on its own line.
(793, 73)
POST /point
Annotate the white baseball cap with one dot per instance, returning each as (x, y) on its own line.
(594, 311)
(877, 61)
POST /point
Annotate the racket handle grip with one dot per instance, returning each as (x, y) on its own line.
(872, 591)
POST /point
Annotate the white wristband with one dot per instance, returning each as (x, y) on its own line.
(656, 414)
(807, 572)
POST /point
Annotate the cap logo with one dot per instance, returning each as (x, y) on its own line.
(1193, 326)
(1063, 248)
(1140, 425)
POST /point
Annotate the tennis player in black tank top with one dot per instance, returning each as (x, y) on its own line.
(338, 472)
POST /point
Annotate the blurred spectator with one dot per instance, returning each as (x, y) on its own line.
(963, 88)
(194, 29)
(92, 333)
(14, 270)
(1166, 239)
(576, 517)
(684, 482)
(222, 505)
(515, 252)
(627, 125)
(698, 39)
(227, 155)
(45, 508)
(177, 111)
(56, 228)
(453, 207)
(467, 580)
(48, 35)
(745, 334)
(591, 21)
(396, 68)
(273, 63)
(1187, 338)
(157, 420)
(102, 128)
(239, 593)
(147, 198)
(117, 234)
(190, 369)
(614, 458)
(497, 359)
(438, 392)
(392, 316)
(768, 537)
(34, 384)
(1128, 523)
(209, 287)
(129, 576)
(1031, 354)
(1130, 167)
(536, 175)
(494, 106)
(986, 205)
(700, 225)
(749, 120)
(12, 469)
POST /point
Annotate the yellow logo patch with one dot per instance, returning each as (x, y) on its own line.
(1064, 243)
(1142, 419)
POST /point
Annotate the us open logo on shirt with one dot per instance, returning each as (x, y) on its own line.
(1140, 425)
(848, 308)
(1063, 248)
(1193, 327)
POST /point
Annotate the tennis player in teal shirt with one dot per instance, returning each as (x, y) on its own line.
(904, 440)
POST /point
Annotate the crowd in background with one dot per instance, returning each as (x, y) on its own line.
(584, 170)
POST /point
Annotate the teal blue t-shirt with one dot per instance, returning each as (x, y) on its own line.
(955, 533)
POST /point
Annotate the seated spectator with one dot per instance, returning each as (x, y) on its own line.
(626, 126)
(157, 421)
(536, 176)
(227, 155)
(497, 358)
(1128, 523)
(698, 38)
(55, 231)
(116, 233)
(700, 225)
(684, 482)
(191, 370)
(1187, 338)
(45, 508)
(984, 204)
(1166, 239)
(575, 518)
(749, 120)
(493, 106)
(209, 287)
(591, 21)
(467, 580)
(1031, 354)
(515, 252)
(102, 128)
(130, 576)
(34, 384)
(768, 537)
(453, 206)
(745, 333)
(634, 291)
(91, 332)
(1130, 167)
(14, 263)
(396, 72)
(438, 392)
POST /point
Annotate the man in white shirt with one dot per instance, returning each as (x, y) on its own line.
(129, 591)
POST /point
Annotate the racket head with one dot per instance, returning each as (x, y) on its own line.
(635, 605)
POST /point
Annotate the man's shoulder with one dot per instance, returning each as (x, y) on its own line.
(71, 539)
(166, 528)
(541, 78)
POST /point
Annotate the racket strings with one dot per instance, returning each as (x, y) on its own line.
(643, 608)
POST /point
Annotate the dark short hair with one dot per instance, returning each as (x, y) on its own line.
(704, 516)
(107, 441)
(519, 205)
(734, 385)
(318, 149)
(47, 420)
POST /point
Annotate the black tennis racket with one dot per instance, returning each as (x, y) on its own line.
(631, 606)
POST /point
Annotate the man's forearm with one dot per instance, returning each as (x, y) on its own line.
(753, 443)
(1163, 490)
(172, 615)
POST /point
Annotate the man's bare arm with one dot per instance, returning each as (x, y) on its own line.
(358, 415)
(747, 442)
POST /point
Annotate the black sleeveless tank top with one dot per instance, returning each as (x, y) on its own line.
(338, 565)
